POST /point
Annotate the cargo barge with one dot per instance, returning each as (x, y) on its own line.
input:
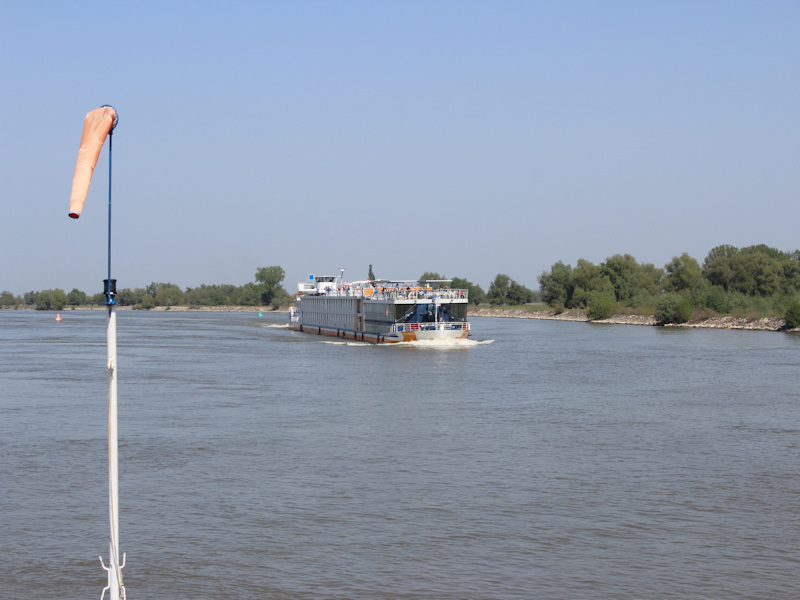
(381, 311)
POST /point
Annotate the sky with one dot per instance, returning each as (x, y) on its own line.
(467, 138)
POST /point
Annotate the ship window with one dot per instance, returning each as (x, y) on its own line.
(403, 313)
(424, 313)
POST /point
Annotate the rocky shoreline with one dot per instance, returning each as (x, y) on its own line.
(723, 322)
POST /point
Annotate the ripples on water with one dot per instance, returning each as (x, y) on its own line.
(537, 460)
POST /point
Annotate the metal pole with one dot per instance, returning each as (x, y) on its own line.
(114, 582)
(115, 586)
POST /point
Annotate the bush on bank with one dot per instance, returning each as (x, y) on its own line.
(601, 306)
(793, 315)
(671, 308)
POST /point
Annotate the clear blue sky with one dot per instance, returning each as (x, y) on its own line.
(468, 138)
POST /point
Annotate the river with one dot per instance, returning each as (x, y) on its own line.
(540, 459)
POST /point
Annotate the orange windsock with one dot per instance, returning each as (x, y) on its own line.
(96, 126)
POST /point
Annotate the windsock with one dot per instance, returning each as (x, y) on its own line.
(96, 126)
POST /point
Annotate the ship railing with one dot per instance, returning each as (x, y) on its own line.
(415, 293)
(441, 326)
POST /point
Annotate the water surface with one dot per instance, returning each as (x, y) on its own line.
(542, 459)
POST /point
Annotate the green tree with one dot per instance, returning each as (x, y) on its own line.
(717, 265)
(196, 297)
(281, 298)
(602, 301)
(791, 273)
(208, 295)
(601, 306)
(519, 294)
(169, 294)
(137, 295)
(247, 295)
(475, 292)
(371, 275)
(556, 286)
(763, 249)
(76, 297)
(721, 251)
(498, 289)
(59, 299)
(51, 299)
(270, 279)
(754, 270)
(7, 300)
(583, 279)
(650, 279)
(756, 274)
(44, 300)
(504, 290)
(717, 299)
(624, 273)
(793, 315)
(125, 297)
(431, 276)
(683, 273)
(671, 308)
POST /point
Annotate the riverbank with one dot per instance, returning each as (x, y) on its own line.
(721, 322)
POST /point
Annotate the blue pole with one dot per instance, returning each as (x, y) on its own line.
(110, 288)
(109, 297)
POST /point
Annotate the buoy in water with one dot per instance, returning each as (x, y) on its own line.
(58, 317)
(259, 314)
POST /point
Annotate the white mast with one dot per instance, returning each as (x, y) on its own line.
(115, 586)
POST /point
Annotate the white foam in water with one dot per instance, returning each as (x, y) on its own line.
(432, 344)
(350, 343)
(443, 344)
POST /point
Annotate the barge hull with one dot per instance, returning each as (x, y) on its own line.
(381, 338)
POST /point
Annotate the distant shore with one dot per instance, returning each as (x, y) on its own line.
(242, 309)
(721, 322)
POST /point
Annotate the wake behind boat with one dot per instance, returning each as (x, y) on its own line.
(381, 310)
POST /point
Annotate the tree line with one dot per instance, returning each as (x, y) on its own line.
(754, 279)
(740, 281)
(265, 291)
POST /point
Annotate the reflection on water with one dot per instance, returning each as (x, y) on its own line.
(535, 460)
